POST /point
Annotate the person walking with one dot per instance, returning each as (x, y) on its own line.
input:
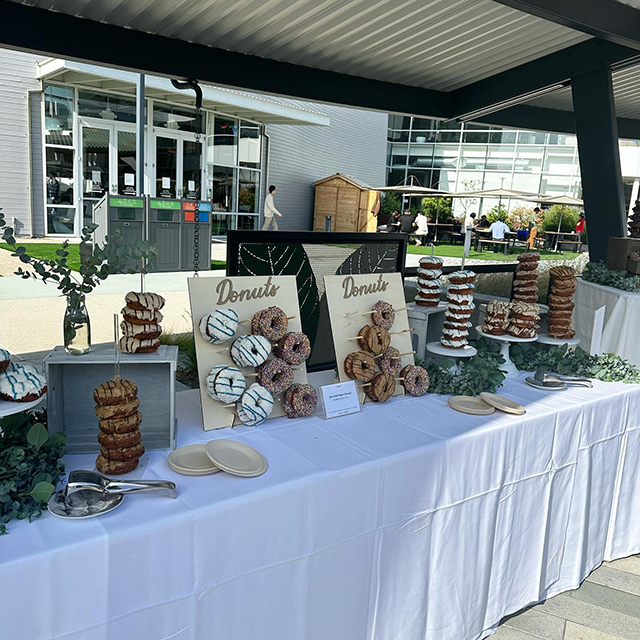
(580, 227)
(270, 211)
(422, 229)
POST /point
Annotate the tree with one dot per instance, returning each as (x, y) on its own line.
(389, 202)
(499, 212)
(520, 217)
(468, 203)
(438, 209)
(553, 216)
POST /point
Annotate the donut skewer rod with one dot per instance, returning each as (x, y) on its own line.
(368, 384)
(233, 406)
(368, 313)
(408, 353)
(250, 319)
(393, 333)
(254, 375)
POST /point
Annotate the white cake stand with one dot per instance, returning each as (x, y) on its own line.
(545, 338)
(8, 408)
(510, 369)
(457, 354)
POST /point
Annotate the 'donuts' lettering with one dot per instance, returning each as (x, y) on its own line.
(352, 290)
(226, 292)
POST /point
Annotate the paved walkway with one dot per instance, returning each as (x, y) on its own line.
(605, 607)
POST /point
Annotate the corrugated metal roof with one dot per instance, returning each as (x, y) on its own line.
(436, 44)
(626, 92)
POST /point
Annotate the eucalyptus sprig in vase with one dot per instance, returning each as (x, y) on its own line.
(98, 262)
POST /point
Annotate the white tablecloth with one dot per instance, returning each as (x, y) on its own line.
(621, 333)
(408, 521)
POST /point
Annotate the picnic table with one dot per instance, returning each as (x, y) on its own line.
(553, 238)
(482, 237)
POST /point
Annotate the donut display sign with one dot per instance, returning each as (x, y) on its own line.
(371, 333)
(250, 348)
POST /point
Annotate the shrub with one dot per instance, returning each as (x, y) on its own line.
(499, 212)
(520, 217)
(389, 202)
(438, 209)
(569, 217)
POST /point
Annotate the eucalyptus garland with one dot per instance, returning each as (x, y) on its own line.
(477, 374)
(599, 273)
(30, 466)
(608, 367)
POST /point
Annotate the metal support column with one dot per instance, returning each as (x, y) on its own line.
(597, 131)
(140, 117)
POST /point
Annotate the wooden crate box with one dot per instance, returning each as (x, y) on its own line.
(72, 379)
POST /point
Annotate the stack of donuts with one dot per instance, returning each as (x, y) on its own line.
(380, 385)
(275, 375)
(497, 318)
(525, 285)
(459, 311)
(523, 322)
(429, 281)
(634, 221)
(117, 406)
(141, 322)
(563, 287)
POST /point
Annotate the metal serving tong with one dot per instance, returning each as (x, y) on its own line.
(81, 479)
(543, 377)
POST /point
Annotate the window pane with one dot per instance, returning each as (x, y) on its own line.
(395, 177)
(451, 124)
(222, 141)
(126, 163)
(222, 188)
(526, 182)
(176, 118)
(107, 107)
(443, 179)
(59, 176)
(397, 136)
(473, 157)
(420, 137)
(496, 180)
(507, 137)
(529, 159)
(166, 167)
(248, 189)
(555, 185)
(60, 220)
(191, 161)
(531, 137)
(449, 136)
(424, 123)
(421, 177)
(95, 162)
(445, 156)
(250, 145)
(247, 223)
(559, 160)
(500, 157)
(421, 156)
(475, 136)
(58, 115)
(399, 122)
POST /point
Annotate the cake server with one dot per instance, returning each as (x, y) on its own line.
(83, 479)
(543, 377)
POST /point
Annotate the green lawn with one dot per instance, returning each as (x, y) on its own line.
(218, 264)
(47, 251)
(455, 251)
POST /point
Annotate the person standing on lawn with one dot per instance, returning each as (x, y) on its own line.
(270, 211)
(580, 227)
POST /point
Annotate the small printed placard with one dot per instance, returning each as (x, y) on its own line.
(340, 399)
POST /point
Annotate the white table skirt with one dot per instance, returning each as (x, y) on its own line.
(621, 333)
(408, 521)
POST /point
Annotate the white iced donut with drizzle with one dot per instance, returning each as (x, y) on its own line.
(255, 405)
(250, 351)
(225, 383)
(21, 382)
(429, 274)
(219, 325)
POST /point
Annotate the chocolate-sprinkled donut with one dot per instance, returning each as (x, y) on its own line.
(294, 348)
(275, 375)
(300, 400)
(391, 362)
(383, 314)
(416, 380)
(272, 323)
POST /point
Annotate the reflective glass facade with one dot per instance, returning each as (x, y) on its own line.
(465, 157)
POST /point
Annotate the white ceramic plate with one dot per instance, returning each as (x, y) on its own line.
(472, 405)
(236, 458)
(502, 403)
(556, 386)
(8, 408)
(191, 460)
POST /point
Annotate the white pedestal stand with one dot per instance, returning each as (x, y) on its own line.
(456, 354)
(545, 338)
(510, 369)
(8, 408)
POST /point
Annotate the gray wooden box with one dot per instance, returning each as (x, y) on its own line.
(72, 379)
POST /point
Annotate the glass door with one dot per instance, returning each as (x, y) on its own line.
(166, 161)
(191, 169)
(96, 167)
(125, 162)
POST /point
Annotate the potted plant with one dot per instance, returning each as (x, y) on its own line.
(98, 262)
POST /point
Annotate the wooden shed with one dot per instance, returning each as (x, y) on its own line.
(352, 205)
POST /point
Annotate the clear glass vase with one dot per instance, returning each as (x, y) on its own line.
(77, 327)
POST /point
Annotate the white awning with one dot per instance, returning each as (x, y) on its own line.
(236, 103)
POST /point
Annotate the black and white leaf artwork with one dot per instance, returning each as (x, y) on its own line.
(371, 258)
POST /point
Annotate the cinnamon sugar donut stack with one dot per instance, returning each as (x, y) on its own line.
(563, 287)
(429, 281)
(634, 221)
(524, 319)
(117, 406)
(497, 318)
(457, 317)
(525, 285)
(141, 322)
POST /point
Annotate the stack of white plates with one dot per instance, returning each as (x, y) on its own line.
(191, 460)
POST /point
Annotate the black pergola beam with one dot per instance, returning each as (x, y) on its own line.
(605, 19)
(38, 30)
(553, 69)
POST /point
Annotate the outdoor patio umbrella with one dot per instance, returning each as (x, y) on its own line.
(561, 199)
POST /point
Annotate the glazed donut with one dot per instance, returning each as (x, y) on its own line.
(109, 411)
(119, 440)
(115, 467)
(416, 380)
(127, 453)
(374, 339)
(140, 331)
(383, 314)
(121, 425)
(115, 392)
(5, 359)
(272, 323)
(225, 383)
(360, 366)
(219, 325)
(21, 383)
(255, 405)
(141, 316)
(138, 345)
(250, 351)
(300, 400)
(381, 388)
(294, 348)
(391, 362)
(151, 301)
(275, 375)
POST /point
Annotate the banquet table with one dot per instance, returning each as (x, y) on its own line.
(621, 331)
(408, 520)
